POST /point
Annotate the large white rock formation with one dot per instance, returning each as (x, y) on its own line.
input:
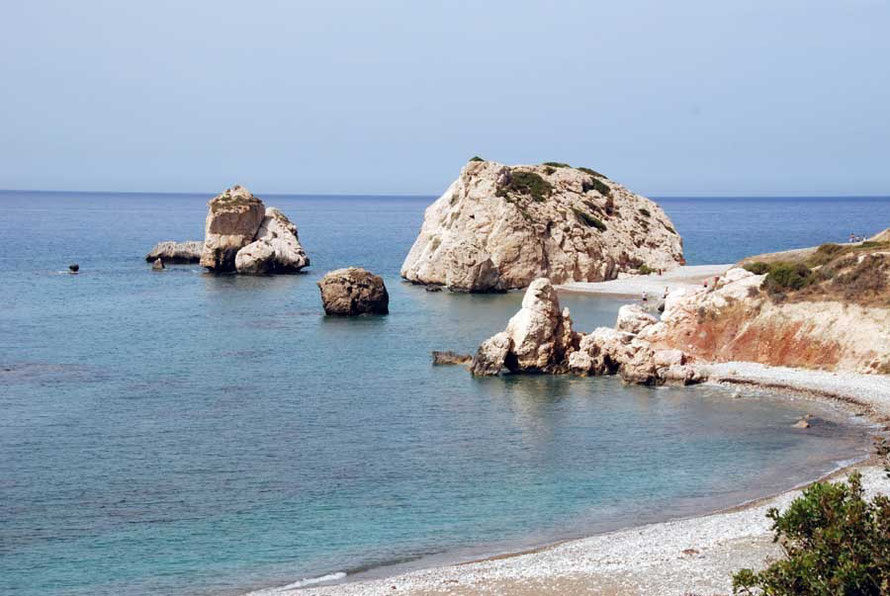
(499, 227)
(242, 235)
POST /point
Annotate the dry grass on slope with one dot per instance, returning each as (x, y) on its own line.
(856, 274)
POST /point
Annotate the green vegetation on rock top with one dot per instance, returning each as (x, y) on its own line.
(592, 172)
(527, 183)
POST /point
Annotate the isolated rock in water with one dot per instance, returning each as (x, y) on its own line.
(449, 357)
(73, 268)
(499, 227)
(538, 338)
(277, 230)
(232, 222)
(158, 265)
(353, 291)
(257, 257)
(802, 423)
(176, 252)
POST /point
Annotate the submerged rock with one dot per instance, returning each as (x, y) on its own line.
(353, 291)
(500, 227)
(176, 252)
(450, 358)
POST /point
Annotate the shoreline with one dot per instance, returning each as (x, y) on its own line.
(691, 554)
(685, 276)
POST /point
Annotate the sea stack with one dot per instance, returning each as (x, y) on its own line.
(242, 235)
(353, 291)
(499, 227)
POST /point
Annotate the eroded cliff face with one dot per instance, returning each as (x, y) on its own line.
(500, 227)
(738, 319)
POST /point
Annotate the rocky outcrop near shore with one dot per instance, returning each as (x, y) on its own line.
(499, 227)
(176, 253)
(353, 291)
(540, 339)
(242, 235)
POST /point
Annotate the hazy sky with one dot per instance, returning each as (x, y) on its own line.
(675, 97)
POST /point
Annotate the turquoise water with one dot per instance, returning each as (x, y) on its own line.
(177, 432)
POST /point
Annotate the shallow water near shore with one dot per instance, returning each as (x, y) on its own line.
(177, 432)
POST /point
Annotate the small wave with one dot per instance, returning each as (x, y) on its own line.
(330, 577)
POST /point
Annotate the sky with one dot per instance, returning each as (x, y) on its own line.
(679, 98)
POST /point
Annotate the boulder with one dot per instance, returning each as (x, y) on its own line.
(256, 258)
(277, 230)
(632, 318)
(491, 357)
(233, 219)
(158, 265)
(500, 227)
(176, 252)
(73, 268)
(353, 291)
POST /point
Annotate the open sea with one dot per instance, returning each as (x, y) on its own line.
(181, 433)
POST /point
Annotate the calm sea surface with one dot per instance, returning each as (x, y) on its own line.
(175, 432)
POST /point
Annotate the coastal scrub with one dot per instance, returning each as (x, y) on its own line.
(835, 542)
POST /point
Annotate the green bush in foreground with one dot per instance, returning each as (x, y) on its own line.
(476, 158)
(835, 542)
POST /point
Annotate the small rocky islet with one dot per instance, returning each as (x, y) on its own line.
(241, 235)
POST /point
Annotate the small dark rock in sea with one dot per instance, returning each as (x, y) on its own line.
(450, 357)
(73, 267)
(434, 288)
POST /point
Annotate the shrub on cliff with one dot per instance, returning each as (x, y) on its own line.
(835, 542)
(788, 276)
(758, 267)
